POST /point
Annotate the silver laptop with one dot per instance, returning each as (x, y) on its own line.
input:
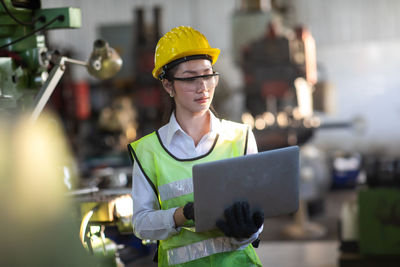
(268, 180)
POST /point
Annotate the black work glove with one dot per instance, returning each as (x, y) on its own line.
(188, 211)
(238, 221)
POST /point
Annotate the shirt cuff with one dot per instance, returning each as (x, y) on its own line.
(244, 242)
(171, 221)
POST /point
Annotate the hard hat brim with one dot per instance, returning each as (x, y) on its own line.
(212, 52)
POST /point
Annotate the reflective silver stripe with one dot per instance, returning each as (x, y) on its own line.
(176, 189)
(199, 250)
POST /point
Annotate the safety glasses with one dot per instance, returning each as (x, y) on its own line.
(194, 81)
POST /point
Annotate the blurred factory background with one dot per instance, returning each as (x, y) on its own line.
(318, 74)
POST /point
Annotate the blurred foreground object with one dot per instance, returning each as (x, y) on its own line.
(36, 165)
(38, 226)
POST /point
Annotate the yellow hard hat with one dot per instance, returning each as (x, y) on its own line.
(181, 42)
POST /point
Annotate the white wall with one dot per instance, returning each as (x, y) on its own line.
(358, 44)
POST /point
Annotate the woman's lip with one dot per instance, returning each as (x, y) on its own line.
(201, 100)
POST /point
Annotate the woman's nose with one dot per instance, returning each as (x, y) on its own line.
(201, 85)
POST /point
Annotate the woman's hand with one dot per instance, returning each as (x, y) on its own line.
(179, 218)
(238, 221)
(188, 211)
(182, 214)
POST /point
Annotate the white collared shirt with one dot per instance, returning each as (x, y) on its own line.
(149, 222)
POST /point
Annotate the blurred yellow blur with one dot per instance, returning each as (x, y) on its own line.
(39, 154)
(38, 224)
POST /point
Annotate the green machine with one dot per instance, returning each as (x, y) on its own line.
(28, 71)
(24, 57)
(370, 223)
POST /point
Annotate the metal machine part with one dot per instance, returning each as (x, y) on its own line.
(23, 65)
(25, 59)
(48, 87)
(103, 64)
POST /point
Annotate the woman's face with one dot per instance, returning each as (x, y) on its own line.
(193, 96)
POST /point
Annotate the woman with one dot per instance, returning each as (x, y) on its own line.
(162, 188)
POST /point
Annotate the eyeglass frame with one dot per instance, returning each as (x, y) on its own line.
(193, 78)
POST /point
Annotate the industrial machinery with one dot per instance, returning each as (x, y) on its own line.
(24, 57)
(370, 224)
(280, 77)
(279, 87)
(278, 73)
(29, 73)
(26, 61)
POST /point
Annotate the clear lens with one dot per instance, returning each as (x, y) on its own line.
(192, 83)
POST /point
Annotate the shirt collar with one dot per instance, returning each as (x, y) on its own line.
(215, 124)
(174, 127)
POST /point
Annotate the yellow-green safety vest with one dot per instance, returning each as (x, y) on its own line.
(171, 180)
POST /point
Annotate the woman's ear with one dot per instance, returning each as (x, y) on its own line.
(168, 87)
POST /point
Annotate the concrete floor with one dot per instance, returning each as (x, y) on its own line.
(299, 254)
(282, 250)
